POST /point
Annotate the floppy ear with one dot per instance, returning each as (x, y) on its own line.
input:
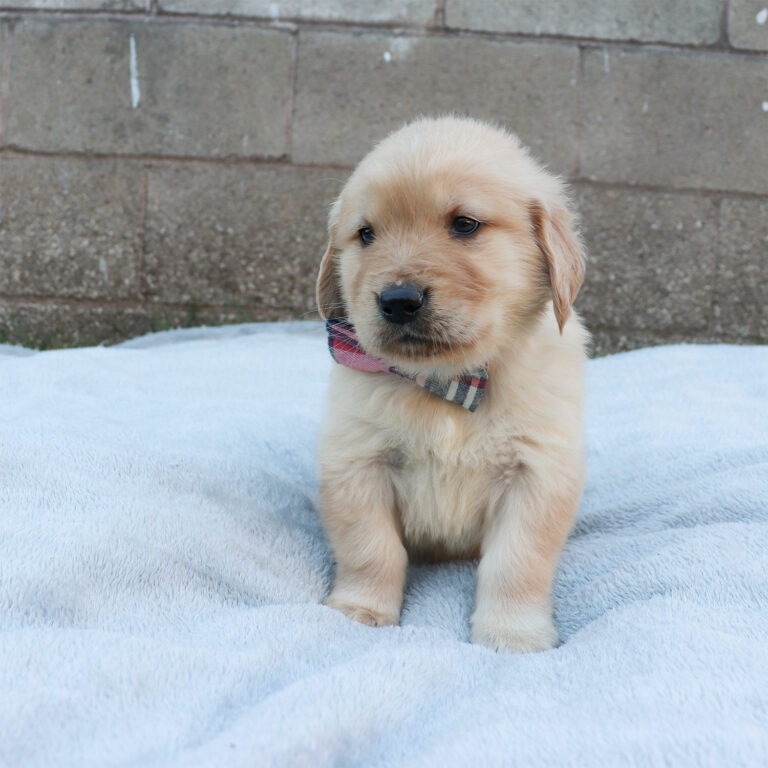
(330, 302)
(553, 228)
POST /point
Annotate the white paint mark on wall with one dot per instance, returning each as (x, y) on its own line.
(387, 56)
(606, 62)
(645, 105)
(762, 16)
(765, 106)
(274, 11)
(135, 90)
(104, 270)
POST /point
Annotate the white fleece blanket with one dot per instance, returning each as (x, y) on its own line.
(162, 568)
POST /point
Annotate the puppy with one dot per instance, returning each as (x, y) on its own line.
(454, 425)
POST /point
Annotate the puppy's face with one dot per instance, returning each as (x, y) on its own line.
(443, 245)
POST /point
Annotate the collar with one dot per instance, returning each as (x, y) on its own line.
(465, 390)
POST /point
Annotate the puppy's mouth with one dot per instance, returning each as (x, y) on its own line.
(416, 343)
(416, 346)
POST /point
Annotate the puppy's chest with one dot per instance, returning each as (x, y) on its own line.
(442, 486)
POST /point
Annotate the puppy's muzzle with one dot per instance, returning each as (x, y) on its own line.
(400, 302)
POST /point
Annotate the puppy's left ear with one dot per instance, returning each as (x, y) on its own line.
(554, 230)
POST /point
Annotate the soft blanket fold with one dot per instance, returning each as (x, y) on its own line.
(162, 568)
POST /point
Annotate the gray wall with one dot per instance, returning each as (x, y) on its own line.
(171, 163)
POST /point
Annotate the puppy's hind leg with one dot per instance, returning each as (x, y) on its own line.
(359, 516)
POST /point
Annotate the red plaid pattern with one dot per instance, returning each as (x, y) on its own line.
(466, 390)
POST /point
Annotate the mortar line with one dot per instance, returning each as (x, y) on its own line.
(398, 28)
(142, 249)
(667, 190)
(579, 111)
(6, 36)
(724, 24)
(440, 14)
(291, 106)
(130, 303)
(275, 162)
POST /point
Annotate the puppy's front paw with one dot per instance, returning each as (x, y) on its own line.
(526, 633)
(361, 613)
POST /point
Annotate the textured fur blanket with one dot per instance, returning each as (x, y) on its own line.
(162, 567)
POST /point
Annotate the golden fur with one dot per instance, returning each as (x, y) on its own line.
(405, 473)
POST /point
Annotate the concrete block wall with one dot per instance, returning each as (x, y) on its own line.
(171, 162)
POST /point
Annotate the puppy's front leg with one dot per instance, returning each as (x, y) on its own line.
(359, 515)
(521, 545)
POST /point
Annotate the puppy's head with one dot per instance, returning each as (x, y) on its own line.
(446, 243)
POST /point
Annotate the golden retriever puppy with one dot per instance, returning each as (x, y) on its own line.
(454, 425)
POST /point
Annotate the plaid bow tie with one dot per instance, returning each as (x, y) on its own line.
(466, 390)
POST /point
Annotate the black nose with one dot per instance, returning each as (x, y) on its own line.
(400, 302)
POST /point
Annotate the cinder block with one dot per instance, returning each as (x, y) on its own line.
(676, 119)
(696, 21)
(651, 259)
(420, 12)
(748, 24)
(76, 5)
(129, 87)
(741, 297)
(69, 227)
(352, 90)
(248, 237)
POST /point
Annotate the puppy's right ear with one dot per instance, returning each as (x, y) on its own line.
(330, 302)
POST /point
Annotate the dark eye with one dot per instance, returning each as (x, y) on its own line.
(463, 226)
(367, 236)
